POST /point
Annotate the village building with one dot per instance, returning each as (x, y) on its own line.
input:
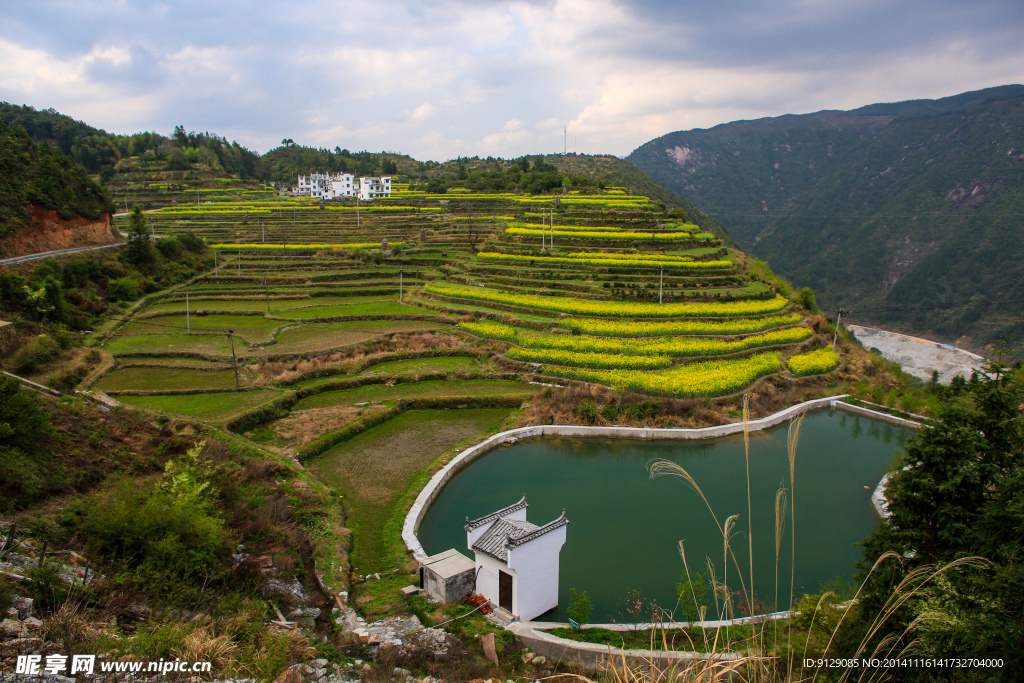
(449, 576)
(324, 186)
(374, 188)
(517, 561)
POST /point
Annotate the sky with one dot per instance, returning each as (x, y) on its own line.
(449, 78)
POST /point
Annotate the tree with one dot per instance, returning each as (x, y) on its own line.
(139, 250)
(958, 492)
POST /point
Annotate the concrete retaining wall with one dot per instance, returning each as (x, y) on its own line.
(592, 656)
(433, 488)
(876, 415)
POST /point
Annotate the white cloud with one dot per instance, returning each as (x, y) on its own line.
(500, 77)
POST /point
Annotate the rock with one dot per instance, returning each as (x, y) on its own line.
(136, 612)
(24, 607)
(375, 639)
(540, 660)
(11, 613)
(490, 651)
(528, 657)
(319, 663)
(293, 615)
(33, 624)
(399, 671)
(410, 590)
(10, 628)
(20, 646)
(289, 676)
(343, 597)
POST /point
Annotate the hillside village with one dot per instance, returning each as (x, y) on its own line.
(325, 186)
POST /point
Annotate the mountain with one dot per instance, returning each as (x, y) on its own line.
(907, 214)
(35, 175)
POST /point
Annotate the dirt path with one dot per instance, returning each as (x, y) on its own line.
(919, 357)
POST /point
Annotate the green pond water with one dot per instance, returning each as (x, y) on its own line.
(625, 528)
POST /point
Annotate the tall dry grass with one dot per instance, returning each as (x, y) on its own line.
(768, 656)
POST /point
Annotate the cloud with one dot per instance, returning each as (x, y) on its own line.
(497, 77)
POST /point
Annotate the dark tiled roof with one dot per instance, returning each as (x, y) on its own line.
(537, 532)
(495, 541)
(476, 523)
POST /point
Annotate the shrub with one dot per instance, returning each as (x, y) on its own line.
(169, 247)
(159, 538)
(37, 351)
(580, 608)
(191, 242)
(48, 589)
(123, 289)
(588, 412)
(66, 379)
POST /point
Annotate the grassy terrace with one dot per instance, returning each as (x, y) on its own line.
(483, 309)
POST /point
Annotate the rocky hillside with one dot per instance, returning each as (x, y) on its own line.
(906, 213)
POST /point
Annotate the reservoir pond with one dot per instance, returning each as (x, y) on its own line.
(625, 528)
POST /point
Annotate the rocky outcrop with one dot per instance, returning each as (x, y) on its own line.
(47, 231)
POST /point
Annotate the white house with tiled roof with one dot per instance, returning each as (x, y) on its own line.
(326, 186)
(517, 561)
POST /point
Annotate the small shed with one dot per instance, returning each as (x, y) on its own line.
(517, 560)
(449, 576)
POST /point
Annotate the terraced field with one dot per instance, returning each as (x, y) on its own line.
(623, 298)
(370, 339)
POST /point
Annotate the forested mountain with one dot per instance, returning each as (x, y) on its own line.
(907, 213)
(35, 174)
(105, 154)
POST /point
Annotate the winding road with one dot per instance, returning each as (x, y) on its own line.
(48, 254)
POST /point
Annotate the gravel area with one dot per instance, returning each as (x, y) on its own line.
(919, 357)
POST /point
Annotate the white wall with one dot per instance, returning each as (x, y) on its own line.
(535, 565)
(487, 577)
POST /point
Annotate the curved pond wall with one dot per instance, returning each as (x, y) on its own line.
(433, 489)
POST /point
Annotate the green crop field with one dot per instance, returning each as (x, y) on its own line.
(625, 298)
(165, 379)
(375, 393)
(214, 406)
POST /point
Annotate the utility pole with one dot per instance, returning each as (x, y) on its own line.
(552, 229)
(661, 281)
(234, 360)
(839, 317)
